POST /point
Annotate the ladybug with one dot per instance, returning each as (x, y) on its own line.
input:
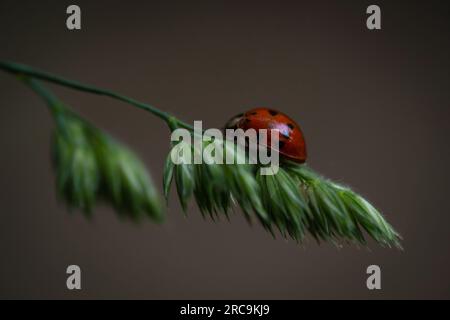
(291, 141)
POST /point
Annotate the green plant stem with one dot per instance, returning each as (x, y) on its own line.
(20, 69)
(51, 100)
(55, 105)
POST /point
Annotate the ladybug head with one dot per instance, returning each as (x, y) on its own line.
(233, 123)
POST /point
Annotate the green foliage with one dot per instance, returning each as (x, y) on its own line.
(90, 165)
(77, 172)
(216, 187)
(295, 200)
(338, 212)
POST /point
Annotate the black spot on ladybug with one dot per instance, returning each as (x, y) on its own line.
(254, 113)
(273, 112)
(291, 126)
(247, 120)
(282, 143)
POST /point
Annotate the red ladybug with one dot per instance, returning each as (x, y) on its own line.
(291, 142)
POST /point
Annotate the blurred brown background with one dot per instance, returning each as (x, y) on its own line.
(374, 107)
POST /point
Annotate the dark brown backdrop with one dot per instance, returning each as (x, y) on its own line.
(374, 107)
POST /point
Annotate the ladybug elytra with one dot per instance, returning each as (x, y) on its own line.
(291, 141)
